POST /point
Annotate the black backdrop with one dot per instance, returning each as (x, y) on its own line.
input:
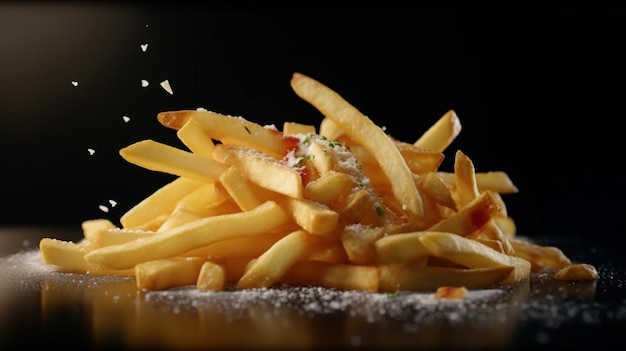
(537, 88)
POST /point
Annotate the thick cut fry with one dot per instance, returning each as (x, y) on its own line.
(361, 129)
(71, 256)
(401, 247)
(329, 187)
(315, 218)
(359, 243)
(189, 236)
(160, 157)
(116, 236)
(239, 189)
(323, 158)
(232, 130)
(441, 134)
(417, 277)
(178, 217)
(193, 136)
(273, 263)
(266, 172)
(212, 277)
(168, 272)
(163, 200)
(333, 275)
(474, 254)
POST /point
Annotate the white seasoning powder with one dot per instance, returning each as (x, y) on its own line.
(167, 87)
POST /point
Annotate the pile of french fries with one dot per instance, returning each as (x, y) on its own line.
(345, 206)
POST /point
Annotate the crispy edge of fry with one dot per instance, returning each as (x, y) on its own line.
(187, 237)
(364, 131)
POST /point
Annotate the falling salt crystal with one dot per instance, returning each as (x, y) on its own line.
(126, 119)
(103, 208)
(144, 83)
(113, 203)
(166, 85)
(91, 151)
(144, 47)
(74, 83)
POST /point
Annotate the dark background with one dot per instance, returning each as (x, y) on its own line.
(538, 90)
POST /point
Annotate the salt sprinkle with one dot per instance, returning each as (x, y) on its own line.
(113, 203)
(144, 47)
(126, 119)
(91, 151)
(144, 83)
(74, 83)
(103, 208)
(166, 85)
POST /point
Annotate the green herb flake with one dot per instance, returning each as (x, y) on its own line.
(379, 211)
(393, 294)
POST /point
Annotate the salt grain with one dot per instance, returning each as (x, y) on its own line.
(91, 151)
(125, 119)
(103, 208)
(74, 83)
(113, 203)
(144, 47)
(144, 83)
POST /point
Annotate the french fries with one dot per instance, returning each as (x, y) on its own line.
(348, 207)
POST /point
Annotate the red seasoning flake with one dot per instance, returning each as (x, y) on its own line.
(450, 292)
